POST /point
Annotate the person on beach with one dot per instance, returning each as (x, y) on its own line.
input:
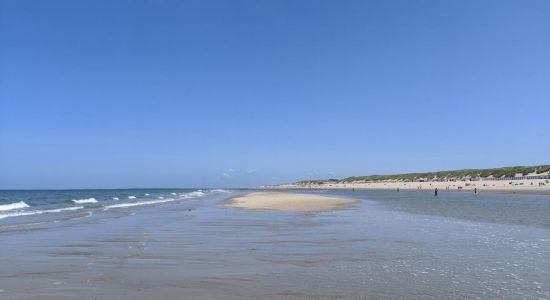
(475, 191)
(436, 192)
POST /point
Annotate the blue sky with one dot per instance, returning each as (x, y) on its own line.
(103, 94)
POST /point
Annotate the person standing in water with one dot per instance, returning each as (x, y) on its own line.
(475, 191)
(436, 192)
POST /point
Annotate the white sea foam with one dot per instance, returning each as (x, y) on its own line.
(12, 206)
(123, 205)
(115, 198)
(146, 194)
(195, 194)
(219, 191)
(39, 212)
(84, 201)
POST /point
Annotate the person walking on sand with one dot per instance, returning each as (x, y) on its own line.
(436, 192)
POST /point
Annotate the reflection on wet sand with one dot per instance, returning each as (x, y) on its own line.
(374, 249)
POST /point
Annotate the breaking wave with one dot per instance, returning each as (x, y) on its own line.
(194, 194)
(39, 212)
(122, 205)
(12, 206)
(84, 201)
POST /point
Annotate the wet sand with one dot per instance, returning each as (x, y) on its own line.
(388, 245)
(281, 201)
(540, 186)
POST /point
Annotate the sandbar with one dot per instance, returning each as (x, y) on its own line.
(282, 201)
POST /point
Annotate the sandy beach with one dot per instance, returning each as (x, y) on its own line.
(281, 201)
(512, 186)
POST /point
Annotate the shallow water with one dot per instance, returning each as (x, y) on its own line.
(406, 245)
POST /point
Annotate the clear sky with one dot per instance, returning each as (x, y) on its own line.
(166, 93)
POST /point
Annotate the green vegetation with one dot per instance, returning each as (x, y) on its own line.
(473, 173)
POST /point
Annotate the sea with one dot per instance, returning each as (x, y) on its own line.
(186, 244)
(54, 205)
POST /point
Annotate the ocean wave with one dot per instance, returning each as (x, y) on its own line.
(12, 206)
(83, 201)
(115, 198)
(219, 191)
(131, 197)
(173, 194)
(39, 212)
(123, 205)
(196, 194)
(146, 194)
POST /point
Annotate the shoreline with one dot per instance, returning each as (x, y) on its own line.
(514, 187)
(197, 248)
(495, 191)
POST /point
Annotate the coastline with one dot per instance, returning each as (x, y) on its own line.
(198, 249)
(512, 186)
